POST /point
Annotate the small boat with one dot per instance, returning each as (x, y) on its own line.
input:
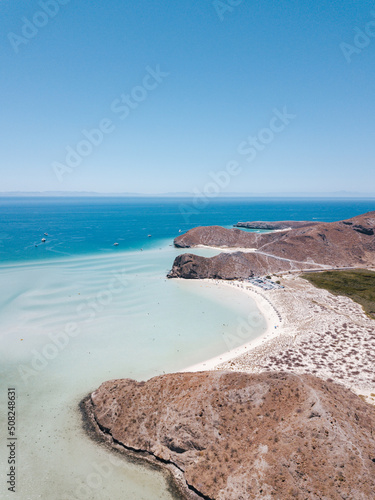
(45, 234)
(115, 244)
(149, 236)
(43, 240)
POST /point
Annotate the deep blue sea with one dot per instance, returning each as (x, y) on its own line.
(79, 226)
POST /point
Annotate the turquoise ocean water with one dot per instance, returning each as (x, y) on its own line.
(76, 311)
(91, 225)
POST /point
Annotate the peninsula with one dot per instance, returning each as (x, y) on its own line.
(345, 244)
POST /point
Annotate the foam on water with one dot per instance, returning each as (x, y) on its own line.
(124, 319)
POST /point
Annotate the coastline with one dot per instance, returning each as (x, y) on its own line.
(174, 476)
(306, 313)
(267, 310)
(320, 333)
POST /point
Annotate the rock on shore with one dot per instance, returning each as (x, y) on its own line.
(241, 436)
(228, 266)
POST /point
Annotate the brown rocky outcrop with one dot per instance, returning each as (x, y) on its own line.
(230, 266)
(226, 266)
(349, 243)
(243, 436)
(216, 236)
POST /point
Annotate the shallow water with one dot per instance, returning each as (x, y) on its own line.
(69, 325)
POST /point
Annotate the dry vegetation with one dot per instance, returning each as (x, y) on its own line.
(241, 436)
(357, 284)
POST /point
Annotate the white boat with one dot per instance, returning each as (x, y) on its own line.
(115, 244)
(149, 236)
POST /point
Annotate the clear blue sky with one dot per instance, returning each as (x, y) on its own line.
(223, 70)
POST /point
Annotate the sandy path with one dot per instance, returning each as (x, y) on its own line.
(258, 251)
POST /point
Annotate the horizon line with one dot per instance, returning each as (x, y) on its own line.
(61, 194)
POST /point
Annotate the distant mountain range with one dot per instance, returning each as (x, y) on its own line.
(335, 194)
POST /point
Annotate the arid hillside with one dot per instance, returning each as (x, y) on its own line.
(230, 266)
(242, 436)
(348, 243)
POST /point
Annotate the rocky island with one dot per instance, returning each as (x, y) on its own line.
(278, 225)
(231, 436)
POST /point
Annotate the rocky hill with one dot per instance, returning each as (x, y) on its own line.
(234, 436)
(348, 243)
(231, 266)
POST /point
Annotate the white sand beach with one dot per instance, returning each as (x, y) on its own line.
(268, 311)
(320, 333)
